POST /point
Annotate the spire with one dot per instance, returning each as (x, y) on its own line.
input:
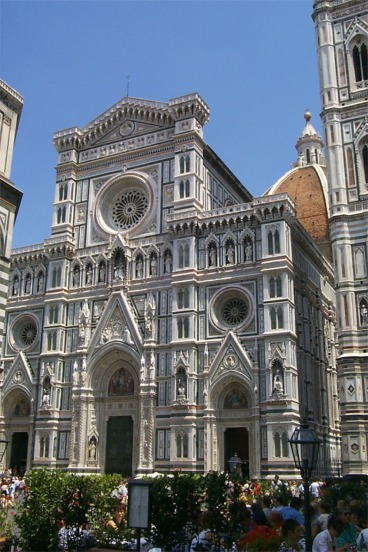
(309, 144)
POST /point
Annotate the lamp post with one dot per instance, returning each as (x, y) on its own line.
(235, 464)
(305, 448)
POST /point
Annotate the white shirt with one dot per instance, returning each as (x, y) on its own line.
(323, 542)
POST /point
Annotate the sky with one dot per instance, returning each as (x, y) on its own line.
(253, 62)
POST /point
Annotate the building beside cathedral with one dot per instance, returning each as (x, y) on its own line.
(342, 38)
(172, 319)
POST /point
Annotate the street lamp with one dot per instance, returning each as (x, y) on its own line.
(235, 464)
(304, 445)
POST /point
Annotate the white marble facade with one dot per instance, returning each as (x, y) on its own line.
(171, 319)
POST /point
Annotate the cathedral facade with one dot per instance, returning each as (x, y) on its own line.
(171, 320)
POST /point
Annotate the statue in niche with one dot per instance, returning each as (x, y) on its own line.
(278, 388)
(89, 275)
(102, 273)
(92, 448)
(153, 265)
(46, 392)
(41, 281)
(117, 329)
(248, 251)
(212, 256)
(15, 289)
(168, 263)
(363, 312)
(139, 268)
(181, 388)
(76, 276)
(230, 254)
(27, 286)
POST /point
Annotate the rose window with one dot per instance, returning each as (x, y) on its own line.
(24, 332)
(28, 333)
(129, 209)
(234, 311)
(231, 308)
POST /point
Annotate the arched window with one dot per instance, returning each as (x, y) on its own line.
(56, 276)
(42, 447)
(183, 255)
(277, 318)
(272, 287)
(182, 445)
(187, 188)
(181, 189)
(307, 152)
(360, 60)
(365, 163)
(277, 241)
(281, 444)
(278, 286)
(270, 243)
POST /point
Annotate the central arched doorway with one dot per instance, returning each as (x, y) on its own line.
(119, 445)
(236, 441)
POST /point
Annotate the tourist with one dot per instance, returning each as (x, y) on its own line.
(326, 540)
(291, 533)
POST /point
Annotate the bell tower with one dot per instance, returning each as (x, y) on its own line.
(342, 41)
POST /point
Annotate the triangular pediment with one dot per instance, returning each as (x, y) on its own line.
(131, 117)
(116, 324)
(19, 376)
(231, 359)
(357, 27)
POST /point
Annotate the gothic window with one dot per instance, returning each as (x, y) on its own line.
(273, 239)
(359, 262)
(184, 164)
(56, 276)
(365, 163)
(183, 255)
(281, 444)
(42, 447)
(51, 341)
(277, 318)
(61, 212)
(53, 314)
(184, 189)
(63, 191)
(182, 445)
(63, 444)
(360, 60)
(183, 328)
(275, 286)
(183, 298)
(350, 163)
(307, 152)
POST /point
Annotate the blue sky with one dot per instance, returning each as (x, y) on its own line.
(253, 62)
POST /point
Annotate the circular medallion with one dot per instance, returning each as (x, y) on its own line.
(129, 209)
(24, 332)
(126, 128)
(231, 308)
